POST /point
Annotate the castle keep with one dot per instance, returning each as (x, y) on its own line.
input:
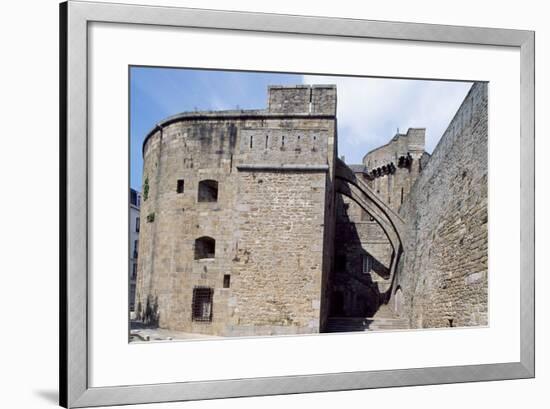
(239, 210)
(251, 225)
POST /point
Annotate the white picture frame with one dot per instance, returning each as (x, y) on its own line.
(76, 17)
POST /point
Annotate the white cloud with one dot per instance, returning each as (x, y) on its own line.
(371, 109)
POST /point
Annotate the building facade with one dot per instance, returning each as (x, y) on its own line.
(135, 203)
(253, 226)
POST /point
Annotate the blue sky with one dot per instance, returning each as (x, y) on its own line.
(369, 109)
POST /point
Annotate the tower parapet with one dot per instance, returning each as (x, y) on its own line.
(312, 99)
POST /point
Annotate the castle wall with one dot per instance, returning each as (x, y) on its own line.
(443, 275)
(270, 222)
(289, 252)
(363, 251)
(358, 236)
(279, 253)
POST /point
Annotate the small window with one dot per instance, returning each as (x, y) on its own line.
(133, 197)
(208, 191)
(367, 263)
(135, 248)
(205, 247)
(202, 304)
(137, 224)
(226, 281)
(134, 271)
(180, 186)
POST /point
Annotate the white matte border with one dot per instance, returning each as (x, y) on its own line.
(115, 362)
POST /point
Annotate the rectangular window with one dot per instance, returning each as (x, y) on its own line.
(202, 304)
(137, 224)
(367, 263)
(180, 186)
(226, 281)
(135, 248)
(134, 271)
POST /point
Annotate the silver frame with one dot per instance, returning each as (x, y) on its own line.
(74, 19)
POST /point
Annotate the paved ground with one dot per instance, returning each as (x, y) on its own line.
(139, 333)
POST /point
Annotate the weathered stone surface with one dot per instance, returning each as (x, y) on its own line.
(271, 221)
(288, 250)
(443, 275)
(359, 286)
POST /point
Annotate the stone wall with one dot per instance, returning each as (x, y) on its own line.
(288, 251)
(442, 280)
(355, 286)
(318, 99)
(271, 220)
(363, 251)
(279, 252)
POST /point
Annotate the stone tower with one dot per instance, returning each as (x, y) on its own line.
(238, 217)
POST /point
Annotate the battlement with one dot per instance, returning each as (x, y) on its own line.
(413, 142)
(313, 99)
(416, 139)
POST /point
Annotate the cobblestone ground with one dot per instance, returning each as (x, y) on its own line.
(140, 333)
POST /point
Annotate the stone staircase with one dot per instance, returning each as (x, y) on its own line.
(383, 320)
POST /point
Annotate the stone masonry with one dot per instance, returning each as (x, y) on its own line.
(363, 252)
(245, 231)
(443, 276)
(266, 229)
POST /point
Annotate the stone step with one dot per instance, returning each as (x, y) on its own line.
(353, 324)
(395, 325)
(384, 312)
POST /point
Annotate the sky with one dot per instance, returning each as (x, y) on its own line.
(370, 110)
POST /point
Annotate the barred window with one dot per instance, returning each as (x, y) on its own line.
(202, 304)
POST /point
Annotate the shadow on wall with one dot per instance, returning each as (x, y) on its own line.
(148, 316)
(353, 293)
